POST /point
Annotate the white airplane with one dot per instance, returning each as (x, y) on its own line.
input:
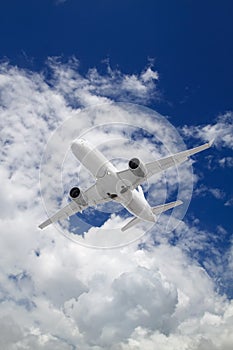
(120, 186)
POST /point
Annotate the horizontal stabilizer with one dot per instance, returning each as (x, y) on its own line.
(164, 207)
(156, 210)
(131, 223)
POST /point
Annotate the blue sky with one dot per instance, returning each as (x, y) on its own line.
(58, 58)
(190, 41)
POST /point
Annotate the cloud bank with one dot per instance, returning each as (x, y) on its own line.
(59, 295)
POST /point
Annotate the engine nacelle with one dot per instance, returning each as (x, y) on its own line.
(77, 195)
(137, 167)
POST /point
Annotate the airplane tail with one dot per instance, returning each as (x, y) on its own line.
(164, 207)
(156, 210)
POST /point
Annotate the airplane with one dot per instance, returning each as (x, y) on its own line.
(120, 186)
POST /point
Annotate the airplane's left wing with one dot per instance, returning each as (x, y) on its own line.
(159, 165)
(93, 198)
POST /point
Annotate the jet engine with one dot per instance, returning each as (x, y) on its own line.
(77, 195)
(137, 167)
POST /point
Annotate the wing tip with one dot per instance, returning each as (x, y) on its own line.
(45, 223)
(211, 142)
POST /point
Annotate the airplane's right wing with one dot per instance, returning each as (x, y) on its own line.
(69, 210)
(159, 165)
(92, 197)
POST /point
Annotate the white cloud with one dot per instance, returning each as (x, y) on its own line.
(217, 193)
(226, 162)
(100, 88)
(59, 295)
(229, 202)
(221, 131)
(203, 190)
(149, 75)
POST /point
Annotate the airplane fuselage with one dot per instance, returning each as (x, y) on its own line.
(108, 183)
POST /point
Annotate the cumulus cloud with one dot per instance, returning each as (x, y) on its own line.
(229, 202)
(203, 190)
(59, 295)
(95, 87)
(221, 131)
(226, 162)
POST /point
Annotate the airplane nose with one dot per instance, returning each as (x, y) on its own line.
(81, 141)
(78, 142)
(78, 148)
(75, 146)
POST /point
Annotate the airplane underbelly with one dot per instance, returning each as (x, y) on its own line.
(138, 206)
(91, 158)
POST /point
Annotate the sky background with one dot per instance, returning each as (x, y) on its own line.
(166, 290)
